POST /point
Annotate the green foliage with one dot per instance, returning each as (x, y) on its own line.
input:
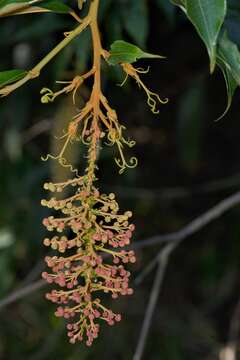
(11, 76)
(56, 6)
(124, 52)
(7, 2)
(207, 16)
(24, 330)
(229, 62)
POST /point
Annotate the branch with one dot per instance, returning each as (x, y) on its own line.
(178, 192)
(175, 237)
(194, 226)
(35, 72)
(163, 257)
(21, 293)
(163, 261)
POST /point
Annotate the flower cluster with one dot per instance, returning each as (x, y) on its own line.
(91, 235)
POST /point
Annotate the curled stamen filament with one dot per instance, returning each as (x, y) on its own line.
(122, 163)
(152, 98)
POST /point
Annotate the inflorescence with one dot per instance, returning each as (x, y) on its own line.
(91, 236)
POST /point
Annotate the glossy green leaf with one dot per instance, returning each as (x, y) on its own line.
(180, 3)
(10, 76)
(56, 6)
(7, 2)
(228, 59)
(124, 52)
(53, 5)
(207, 16)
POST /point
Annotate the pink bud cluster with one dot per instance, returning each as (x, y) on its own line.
(90, 260)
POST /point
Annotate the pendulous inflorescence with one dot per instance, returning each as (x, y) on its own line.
(91, 235)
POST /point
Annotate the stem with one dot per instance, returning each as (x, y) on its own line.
(97, 51)
(14, 9)
(36, 70)
(96, 92)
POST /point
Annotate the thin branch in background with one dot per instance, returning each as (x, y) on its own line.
(36, 130)
(21, 293)
(34, 273)
(162, 261)
(179, 192)
(146, 271)
(176, 237)
(194, 226)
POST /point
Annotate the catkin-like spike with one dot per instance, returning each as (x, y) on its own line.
(91, 260)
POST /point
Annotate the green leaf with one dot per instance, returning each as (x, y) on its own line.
(180, 3)
(53, 5)
(11, 76)
(56, 6)
(207, 16)
(124, 52)
(228, 59)
(7, 2)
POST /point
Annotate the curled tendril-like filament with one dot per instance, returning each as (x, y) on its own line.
(61, 152)
(124, 81)
(50, 96)
(62, 161)
(129, 143)
(113, 136)
(138, 70)
(152, 98)
(71, 135)
(122, 163)
(142, 71)
(47, 95)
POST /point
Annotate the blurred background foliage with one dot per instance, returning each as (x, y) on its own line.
(187, 162)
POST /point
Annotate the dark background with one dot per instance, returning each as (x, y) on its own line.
(187, 163)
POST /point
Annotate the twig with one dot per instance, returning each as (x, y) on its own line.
(163, 257)
(21, 293)
(36, 130)
(176, 237)
(178, 192)
(163, 261)
(194, 226)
